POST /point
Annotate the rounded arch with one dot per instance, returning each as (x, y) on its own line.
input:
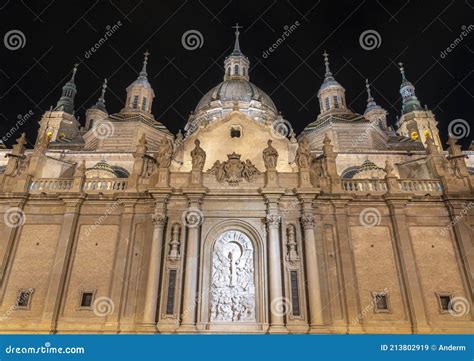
(208, 244)
(348, 173)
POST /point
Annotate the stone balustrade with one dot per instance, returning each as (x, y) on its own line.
(364, 185)
(50, 184)
(89, 185)
(103, 184)
(421, 185)
(380, 186)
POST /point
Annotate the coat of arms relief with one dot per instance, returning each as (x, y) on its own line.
(234, 170)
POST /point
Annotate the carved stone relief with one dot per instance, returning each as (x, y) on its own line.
(232, 293)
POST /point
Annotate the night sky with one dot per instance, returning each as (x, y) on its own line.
(57, 34)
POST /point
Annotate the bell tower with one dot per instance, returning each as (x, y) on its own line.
(416, 122)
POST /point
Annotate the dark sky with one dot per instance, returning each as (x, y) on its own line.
(58, 33)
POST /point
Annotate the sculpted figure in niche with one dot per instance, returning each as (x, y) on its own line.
(270, 156)
(165, 152)
(198, 156)
(303, 154)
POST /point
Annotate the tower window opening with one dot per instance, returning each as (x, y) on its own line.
(86, 299)
(24, 298)
(135, 102)
(244, 72)
(327, 103)
(236, 70)
(336, 102)
(228, 70)
(144, 104)
(235, 133)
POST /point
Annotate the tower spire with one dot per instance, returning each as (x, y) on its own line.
(236, 65)
(143, 73)
(328, 73)
(407, 91)
(66, 102)
(236, 50)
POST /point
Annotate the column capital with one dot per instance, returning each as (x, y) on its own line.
(273, 220)
(159, 219)
(307, 220)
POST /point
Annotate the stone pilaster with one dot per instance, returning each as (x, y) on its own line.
(61, 264)
(190, 293)
(275, 286)
(408, 267)
(153, 280)
(347, 263)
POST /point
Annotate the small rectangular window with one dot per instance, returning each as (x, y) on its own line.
(336, 102)
(24, 298)
(381, 303)
(444, 300)
(295, 299)
(144, 104)
(327, 103)
(86, 299)
(171, 290)
(135, 102)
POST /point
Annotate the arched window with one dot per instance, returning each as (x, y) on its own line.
(236, 69)
(327, 103)
(244, 71)
(135, 102)
(336, 102)
(144, 104)
(228, 70)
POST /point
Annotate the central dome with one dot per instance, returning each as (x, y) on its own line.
(236, 90)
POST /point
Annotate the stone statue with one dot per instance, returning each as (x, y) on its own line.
(303, 154)
(179, 148)
(218, 170)
(198, 156)
(165, 152)
(270, 156)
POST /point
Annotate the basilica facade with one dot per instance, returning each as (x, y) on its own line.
(236, 224)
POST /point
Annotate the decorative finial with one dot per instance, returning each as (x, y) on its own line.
(326, 64)
(102, 96)
(74, 71)
(237, 45)
(402, 71)
(143, 73)
(369, 94)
